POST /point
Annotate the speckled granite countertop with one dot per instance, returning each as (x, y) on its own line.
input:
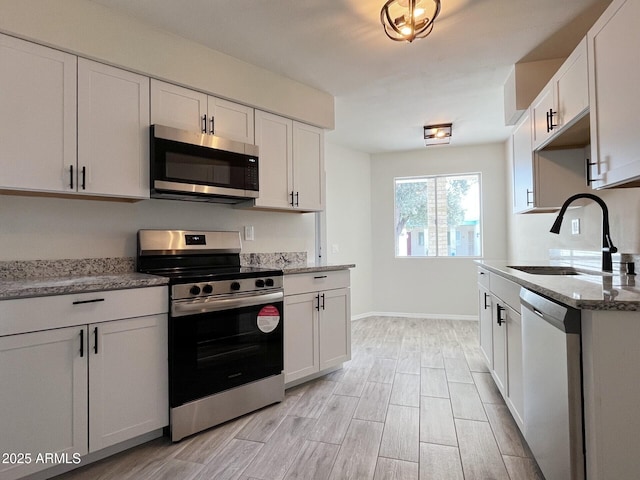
(40, 287)
(40, 278)
(590, 290)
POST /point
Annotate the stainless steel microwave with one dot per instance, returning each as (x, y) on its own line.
(199, 167)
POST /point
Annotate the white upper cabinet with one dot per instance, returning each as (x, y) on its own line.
(614, 76)
(70, 125)
(308, 167)
(178, 107)
(543, 114)
(231, 120)
(291, 164)
(522, 164)
(275, 144)
(187, 109)
(113, 131)
(563, 101)
(543, 180)
(37, 117)
(571, 86)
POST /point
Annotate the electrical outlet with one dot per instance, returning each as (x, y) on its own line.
(575, 226)
(335, 248)
(248, 233)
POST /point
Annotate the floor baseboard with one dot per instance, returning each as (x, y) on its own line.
(434, 316)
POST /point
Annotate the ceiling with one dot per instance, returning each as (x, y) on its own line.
(385, 91)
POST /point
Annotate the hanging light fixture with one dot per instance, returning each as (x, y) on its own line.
(406, 20)
(437, 134)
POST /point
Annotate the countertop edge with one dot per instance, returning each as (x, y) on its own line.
(294, 269)
(46, 287)
(581, 304)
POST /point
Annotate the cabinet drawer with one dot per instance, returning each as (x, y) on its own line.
(483, 278)
(506, 290)
(42, 313)
(316, 281)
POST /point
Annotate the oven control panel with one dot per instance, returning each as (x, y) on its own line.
(225, 287)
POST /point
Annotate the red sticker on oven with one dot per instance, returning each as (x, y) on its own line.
(268, 318)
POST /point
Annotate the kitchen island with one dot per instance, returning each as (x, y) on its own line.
(610, 358)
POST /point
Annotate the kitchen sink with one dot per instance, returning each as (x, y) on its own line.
(548, 270)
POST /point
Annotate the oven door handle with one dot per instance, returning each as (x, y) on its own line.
(180, 308)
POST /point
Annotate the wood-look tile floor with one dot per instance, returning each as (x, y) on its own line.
(415, 402)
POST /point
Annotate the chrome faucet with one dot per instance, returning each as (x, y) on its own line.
(607, 244)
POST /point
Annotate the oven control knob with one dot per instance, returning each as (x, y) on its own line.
(269, 282)
(260, 283)
(195, 290)
(235, 286)
(207, 289)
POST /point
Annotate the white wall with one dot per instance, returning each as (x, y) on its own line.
(530, 239)
(33, 228)
(348, 220)
(434, 286)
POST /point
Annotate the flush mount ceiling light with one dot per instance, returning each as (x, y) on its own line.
(406, 20)
(437, 134)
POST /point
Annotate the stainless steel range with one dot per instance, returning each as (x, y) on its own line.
(225, 327)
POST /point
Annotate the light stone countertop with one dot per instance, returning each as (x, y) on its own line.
(39, 278)
(313, 267)
(41, 287)
(586, 291)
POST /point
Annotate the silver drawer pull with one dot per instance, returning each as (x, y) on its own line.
(95, 300)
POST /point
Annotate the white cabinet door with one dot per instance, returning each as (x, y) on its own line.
(231, 120)
(543, 116)
(543, 180)
(308, 167)
(571, 86)
(43, 396)
(485, 307)
(499, 330)
(128, 379)
(37, 116)
(515, 389)
(178, 107)
(113, 131)
(301, 336)
(334, 327)
(523, 165)
(187, 109)
(274, 140)
(614, 76)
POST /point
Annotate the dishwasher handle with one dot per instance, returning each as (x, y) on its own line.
(563, 317)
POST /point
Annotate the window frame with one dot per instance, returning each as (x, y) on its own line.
(435, 176)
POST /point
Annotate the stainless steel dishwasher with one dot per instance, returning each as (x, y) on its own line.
(552, 380)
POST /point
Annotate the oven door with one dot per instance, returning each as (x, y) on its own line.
(218, 344)
(188, 164)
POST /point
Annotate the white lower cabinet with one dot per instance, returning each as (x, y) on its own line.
(43, 397)
(500, 333)
(78, 389)
(317, 323)
(485, 318)
(128, 382)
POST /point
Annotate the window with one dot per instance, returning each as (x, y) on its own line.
(438, 216)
